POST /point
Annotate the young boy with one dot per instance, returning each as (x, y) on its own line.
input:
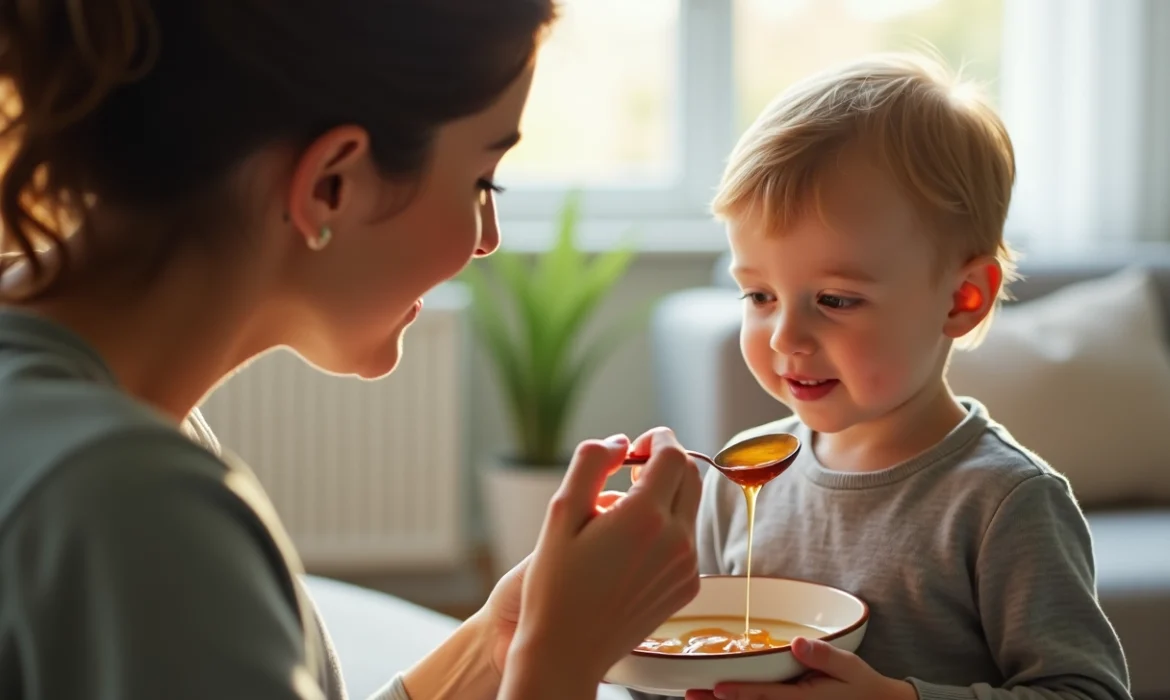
(865, 211)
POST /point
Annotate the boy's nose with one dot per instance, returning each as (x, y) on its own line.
(789, 336)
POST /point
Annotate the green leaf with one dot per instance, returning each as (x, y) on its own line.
(502, 349)
(599, 280)
(532, 312)
(560, 268)
(557, 273)
(518, 284)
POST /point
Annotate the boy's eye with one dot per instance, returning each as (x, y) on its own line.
(756, 298)
(836, 302)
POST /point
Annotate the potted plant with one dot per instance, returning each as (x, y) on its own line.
(530, 316)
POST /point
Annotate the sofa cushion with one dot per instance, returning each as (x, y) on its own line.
(1081, 376)
(1133, 584)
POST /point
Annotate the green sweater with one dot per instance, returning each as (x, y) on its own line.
(134, 563)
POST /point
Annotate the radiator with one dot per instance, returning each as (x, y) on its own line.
(366, 476)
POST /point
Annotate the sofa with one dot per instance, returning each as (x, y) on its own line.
(1077, 367)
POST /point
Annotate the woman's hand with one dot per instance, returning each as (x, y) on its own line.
(501, 613)
(600, 582)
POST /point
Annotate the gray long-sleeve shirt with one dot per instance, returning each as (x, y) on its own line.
(134, 563)
(974, 558)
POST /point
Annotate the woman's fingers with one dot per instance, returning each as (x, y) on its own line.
(606, 500)
(611, 567)
(575, 503)
(646, 444)
(669, 470)
(664, 476)
(687, 497)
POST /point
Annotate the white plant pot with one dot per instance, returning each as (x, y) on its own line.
(516, 499)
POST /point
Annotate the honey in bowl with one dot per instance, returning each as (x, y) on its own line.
(713, 635)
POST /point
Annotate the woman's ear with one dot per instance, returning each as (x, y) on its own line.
(976, 290)
(325, 179)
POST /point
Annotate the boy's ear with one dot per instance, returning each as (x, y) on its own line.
(975, 293)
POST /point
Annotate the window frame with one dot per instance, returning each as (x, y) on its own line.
(704, 114)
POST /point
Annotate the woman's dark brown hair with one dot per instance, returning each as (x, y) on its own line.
(143, 107)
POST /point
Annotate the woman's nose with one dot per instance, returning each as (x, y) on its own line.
(489, 233)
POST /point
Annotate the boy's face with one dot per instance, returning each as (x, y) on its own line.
(844, 323)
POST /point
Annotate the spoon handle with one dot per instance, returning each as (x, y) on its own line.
(632, 460)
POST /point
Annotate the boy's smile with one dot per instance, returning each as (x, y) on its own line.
(805, 388)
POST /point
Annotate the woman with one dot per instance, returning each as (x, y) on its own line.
(242, 175)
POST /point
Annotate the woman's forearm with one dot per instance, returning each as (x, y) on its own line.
(461, 667)
(533, 673)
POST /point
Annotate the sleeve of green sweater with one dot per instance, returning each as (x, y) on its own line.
(133, 572)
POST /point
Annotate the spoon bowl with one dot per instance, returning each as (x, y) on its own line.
(757, 460)
(753, 461)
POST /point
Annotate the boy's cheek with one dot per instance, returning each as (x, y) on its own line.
(755, 345)
(759, 358)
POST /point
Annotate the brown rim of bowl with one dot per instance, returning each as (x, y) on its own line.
(763, 652)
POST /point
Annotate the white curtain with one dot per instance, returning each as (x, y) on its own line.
(1086, 95)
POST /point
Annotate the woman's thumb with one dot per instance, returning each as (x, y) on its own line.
(575, 502)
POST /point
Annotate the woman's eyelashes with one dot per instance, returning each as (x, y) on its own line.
(486, 184)
(489, 185)
(487, 188)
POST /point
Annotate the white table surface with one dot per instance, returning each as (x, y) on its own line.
(377, 635)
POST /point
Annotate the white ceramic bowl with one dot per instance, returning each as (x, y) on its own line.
(839, 618)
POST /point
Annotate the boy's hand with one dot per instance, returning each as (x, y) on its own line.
(834, 674)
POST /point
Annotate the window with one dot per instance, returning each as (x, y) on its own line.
(780, 41)
(639, 103)
(592, 118)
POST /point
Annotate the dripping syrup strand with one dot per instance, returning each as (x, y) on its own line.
(749, 494)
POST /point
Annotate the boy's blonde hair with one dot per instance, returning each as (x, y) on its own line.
(944, 146)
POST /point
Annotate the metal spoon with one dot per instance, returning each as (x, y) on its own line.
(756, 460)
